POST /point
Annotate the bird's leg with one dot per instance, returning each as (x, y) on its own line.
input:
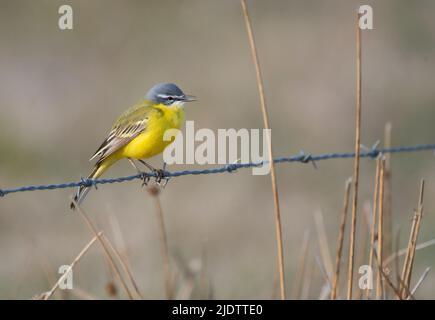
(145, 177)
(160, 173)
(147, 165)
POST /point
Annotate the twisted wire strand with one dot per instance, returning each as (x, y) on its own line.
(302, 157)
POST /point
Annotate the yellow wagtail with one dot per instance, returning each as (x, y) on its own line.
(138, 132)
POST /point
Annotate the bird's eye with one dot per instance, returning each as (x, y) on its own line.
(170, 98)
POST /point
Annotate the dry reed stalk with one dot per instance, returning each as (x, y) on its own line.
(406, 290)
(396, 259)
(390, 283)
(124, 265)
(386, 278)
(48, 294)
(403, 251)
(363, 241)
(388, 202)
(297, 288)
(119, 242)
(154, 192)
(105, 249)
(325, 254)
(408, 250)
(420, 281)
(379, 279)
(415, 229)
(373, 220)
(110, 287)
(278, 228)
(334, 289)
(357, 161)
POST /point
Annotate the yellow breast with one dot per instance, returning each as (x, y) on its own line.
(150, 142)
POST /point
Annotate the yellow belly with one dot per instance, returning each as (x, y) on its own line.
(150, 142)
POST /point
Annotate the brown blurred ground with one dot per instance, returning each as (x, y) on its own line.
(61, 90)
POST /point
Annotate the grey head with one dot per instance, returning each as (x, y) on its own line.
(168, 94)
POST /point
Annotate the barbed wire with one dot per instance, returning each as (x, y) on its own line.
(302, 157)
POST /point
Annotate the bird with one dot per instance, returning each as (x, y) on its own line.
(138, 133)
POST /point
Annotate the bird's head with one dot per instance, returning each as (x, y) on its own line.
(168, 94)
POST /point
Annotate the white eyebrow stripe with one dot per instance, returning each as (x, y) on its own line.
(164, 96)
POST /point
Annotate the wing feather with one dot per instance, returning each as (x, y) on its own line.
(128, 126)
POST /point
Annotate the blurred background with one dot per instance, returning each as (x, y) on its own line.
(61, 90)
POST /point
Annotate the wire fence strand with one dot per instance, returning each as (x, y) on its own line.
(302, 157)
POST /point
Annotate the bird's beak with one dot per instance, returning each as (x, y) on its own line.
(189, 98)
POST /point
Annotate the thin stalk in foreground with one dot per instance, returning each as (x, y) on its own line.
(105, 249)
(71, 266)
(420, 281)
(373, 220)
(154, 192)
(388, 200)
(340, 239)
(124, 265)
(379, 281)
(360, 260)
(356, 163)
(409, 260)
(278, 228)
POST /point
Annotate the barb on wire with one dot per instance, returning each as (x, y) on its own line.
(307, 158)
(302, 157)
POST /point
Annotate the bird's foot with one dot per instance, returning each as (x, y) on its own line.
(145, 178)
(160, 178)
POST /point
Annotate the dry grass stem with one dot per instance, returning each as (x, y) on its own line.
(379, 279)
(363, 242)
(124, 265)
(105, 249)
(334, 289)
(396, 258)
(388, 201)
(415, 229)
(388, 280)
(373, 219)
(278, 228)
(420, 281)
(357, 161)
(390, 283)
(403, 251)
(48, 295)
(164, 248)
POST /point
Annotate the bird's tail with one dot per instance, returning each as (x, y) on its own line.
(82, 191)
